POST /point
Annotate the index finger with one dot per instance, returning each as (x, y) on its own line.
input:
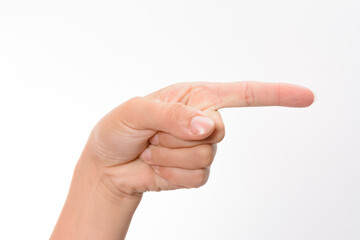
(253, 94)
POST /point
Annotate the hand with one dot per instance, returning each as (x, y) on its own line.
(166, 140)
(162, 141)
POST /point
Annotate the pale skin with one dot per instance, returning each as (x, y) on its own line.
(163, 141)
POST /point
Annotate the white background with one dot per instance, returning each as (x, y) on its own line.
(280, 173)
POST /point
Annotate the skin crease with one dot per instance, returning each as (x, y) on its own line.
(163, 141)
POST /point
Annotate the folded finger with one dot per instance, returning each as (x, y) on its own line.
(184, 177)
(200, 156)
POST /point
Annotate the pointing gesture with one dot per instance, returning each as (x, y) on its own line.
(165, 140)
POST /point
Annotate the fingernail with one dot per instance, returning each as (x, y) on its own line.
(146, 155)
(154, 140)
(200, 125)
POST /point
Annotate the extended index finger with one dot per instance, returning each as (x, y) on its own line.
(252, 94)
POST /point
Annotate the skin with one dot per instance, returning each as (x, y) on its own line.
(163, 141)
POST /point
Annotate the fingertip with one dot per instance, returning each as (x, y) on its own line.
(154, 140)
(146, 155)
(308, 98)
(296, 96)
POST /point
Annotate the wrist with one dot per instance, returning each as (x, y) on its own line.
(89, 173)
(93, 210)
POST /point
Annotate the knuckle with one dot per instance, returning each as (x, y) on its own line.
(249, 94)
(214, 149)
(205, 155)
(208, 96)
(133, 102)
(278, 94)
(201, 177)
(127, 111)
(220, 133)
(176, 110)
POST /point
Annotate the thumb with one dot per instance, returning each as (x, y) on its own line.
(176, 119)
